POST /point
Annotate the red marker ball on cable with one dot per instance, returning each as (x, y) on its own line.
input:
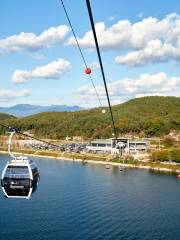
(88, 71)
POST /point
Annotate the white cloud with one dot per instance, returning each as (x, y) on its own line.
(125, 34)
(147, 83)
(153, 52)
(163, 47)
(108, 38)
(31, 42)
(6, 95)
(144, 85)
(52, 70)
(150, 39)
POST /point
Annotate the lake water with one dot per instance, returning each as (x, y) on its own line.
(76, 201)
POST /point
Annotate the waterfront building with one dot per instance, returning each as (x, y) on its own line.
(128, 146)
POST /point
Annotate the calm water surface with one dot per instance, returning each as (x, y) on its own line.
(76, 201)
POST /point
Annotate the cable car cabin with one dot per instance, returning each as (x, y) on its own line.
(19, 178)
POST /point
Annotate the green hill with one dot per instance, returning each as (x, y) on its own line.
(4, 119)
(146, 116)
(5, 116)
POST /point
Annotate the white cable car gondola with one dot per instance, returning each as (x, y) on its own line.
(20, 176)
(121, 146)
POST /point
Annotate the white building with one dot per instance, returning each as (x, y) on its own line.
(131, 147)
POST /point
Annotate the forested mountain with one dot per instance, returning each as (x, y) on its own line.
(147, 116)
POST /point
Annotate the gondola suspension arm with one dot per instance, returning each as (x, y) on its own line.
(9, 144)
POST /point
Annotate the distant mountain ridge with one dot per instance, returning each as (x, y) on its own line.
(23, 110)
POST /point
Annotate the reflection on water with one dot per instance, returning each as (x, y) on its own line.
(76, 201)
(162, 172)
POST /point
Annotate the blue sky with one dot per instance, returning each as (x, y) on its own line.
(40, 64)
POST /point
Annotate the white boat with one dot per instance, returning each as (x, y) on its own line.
(107, 166)
(121, 168)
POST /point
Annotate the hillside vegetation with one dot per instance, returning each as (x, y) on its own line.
(5, 116)
(147, 116)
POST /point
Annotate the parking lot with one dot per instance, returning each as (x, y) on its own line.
(66, 147)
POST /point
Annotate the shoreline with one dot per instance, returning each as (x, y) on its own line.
(127, 165)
